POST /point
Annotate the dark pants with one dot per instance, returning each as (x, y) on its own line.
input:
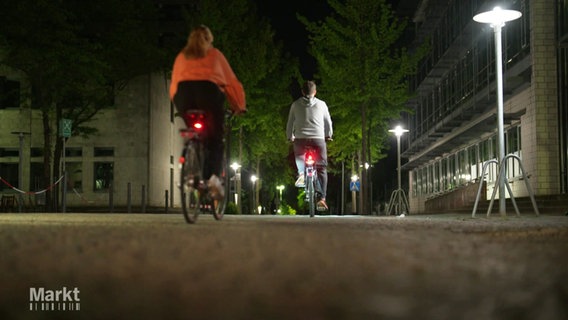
(321, 160)
(206, 95)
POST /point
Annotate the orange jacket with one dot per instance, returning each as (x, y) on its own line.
(213, 67)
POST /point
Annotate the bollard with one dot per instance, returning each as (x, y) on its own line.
(110, 199)
(128, 198)
(64, 192)
(166, 201)
(143, 199)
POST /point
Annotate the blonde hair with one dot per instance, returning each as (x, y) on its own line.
(198, 43)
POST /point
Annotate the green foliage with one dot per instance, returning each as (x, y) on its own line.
(362, 72)
(285, 209)
(231, 208)
(301, 199)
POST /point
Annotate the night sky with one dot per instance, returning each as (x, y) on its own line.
(282, 15)
(290, 31)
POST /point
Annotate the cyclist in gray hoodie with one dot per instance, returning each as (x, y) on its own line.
(309, 124)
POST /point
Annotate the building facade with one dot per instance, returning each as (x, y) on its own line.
(135, 150)
(453, 129)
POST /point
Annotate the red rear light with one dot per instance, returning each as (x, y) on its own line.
(182, 160)
(195, 121)
(310, 159)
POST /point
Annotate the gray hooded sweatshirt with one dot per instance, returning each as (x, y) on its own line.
(309, 119)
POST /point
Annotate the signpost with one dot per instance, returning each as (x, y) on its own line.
(65, 129)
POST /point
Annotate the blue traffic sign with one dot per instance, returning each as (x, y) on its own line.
(355, 186)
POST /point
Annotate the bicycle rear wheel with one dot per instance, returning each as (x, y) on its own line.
(311, 195)
(191, 172)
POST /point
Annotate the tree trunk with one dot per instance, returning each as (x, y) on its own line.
(47, 158)
(57, 160)
(363, 158)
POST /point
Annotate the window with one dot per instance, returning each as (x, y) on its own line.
(8, 172)
(473, 162)
(464, 175)
(73, 152)
(103, 176)
(452, 172)
(9, 152)
(104, 152)
(36, 152)
(37, 180)
(9, 93)
(513, 146)
(436, 177)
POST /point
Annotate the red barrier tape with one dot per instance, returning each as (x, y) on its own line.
(31, 192)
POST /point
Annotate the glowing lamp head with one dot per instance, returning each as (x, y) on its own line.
(497, 17)
(398, 131)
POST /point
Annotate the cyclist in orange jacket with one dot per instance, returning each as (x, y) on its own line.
(202, 79)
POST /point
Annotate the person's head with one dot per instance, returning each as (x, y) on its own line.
(309, 89)
(200, 40)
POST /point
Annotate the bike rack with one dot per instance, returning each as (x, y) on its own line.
(507, 185)
(398, 199)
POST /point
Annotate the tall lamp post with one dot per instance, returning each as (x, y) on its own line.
(496, 18)
(253, 179)
(235, 166)
(398, 197)
(280, 188)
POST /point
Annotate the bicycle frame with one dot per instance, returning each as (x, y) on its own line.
(310, 175)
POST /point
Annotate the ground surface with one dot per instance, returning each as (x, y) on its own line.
(145, 266)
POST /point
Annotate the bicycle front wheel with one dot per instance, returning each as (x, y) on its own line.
(191, 172)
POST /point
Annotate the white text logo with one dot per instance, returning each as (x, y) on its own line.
(42, 299)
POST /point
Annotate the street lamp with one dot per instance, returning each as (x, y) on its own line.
(253, 179)
(235, 166)
(398, 196)
(280, 188)
(496, 18)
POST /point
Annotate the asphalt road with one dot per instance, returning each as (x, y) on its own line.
(155, 266)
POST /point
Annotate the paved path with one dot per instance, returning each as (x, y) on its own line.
(151, 266)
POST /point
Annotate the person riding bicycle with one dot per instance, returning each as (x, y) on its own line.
(201, 80)
(309, 124)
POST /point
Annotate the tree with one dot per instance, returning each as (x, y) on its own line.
(363, 76)
(77, 55)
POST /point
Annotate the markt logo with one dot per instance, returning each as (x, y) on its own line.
(42, 299)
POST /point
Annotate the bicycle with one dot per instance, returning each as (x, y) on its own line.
(194, 195)
(311, 178)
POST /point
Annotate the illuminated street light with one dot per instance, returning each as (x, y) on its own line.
(235, 166)
(398, 196)
(253, 179)
(398, 131)
(496, 18)
(280, 188)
